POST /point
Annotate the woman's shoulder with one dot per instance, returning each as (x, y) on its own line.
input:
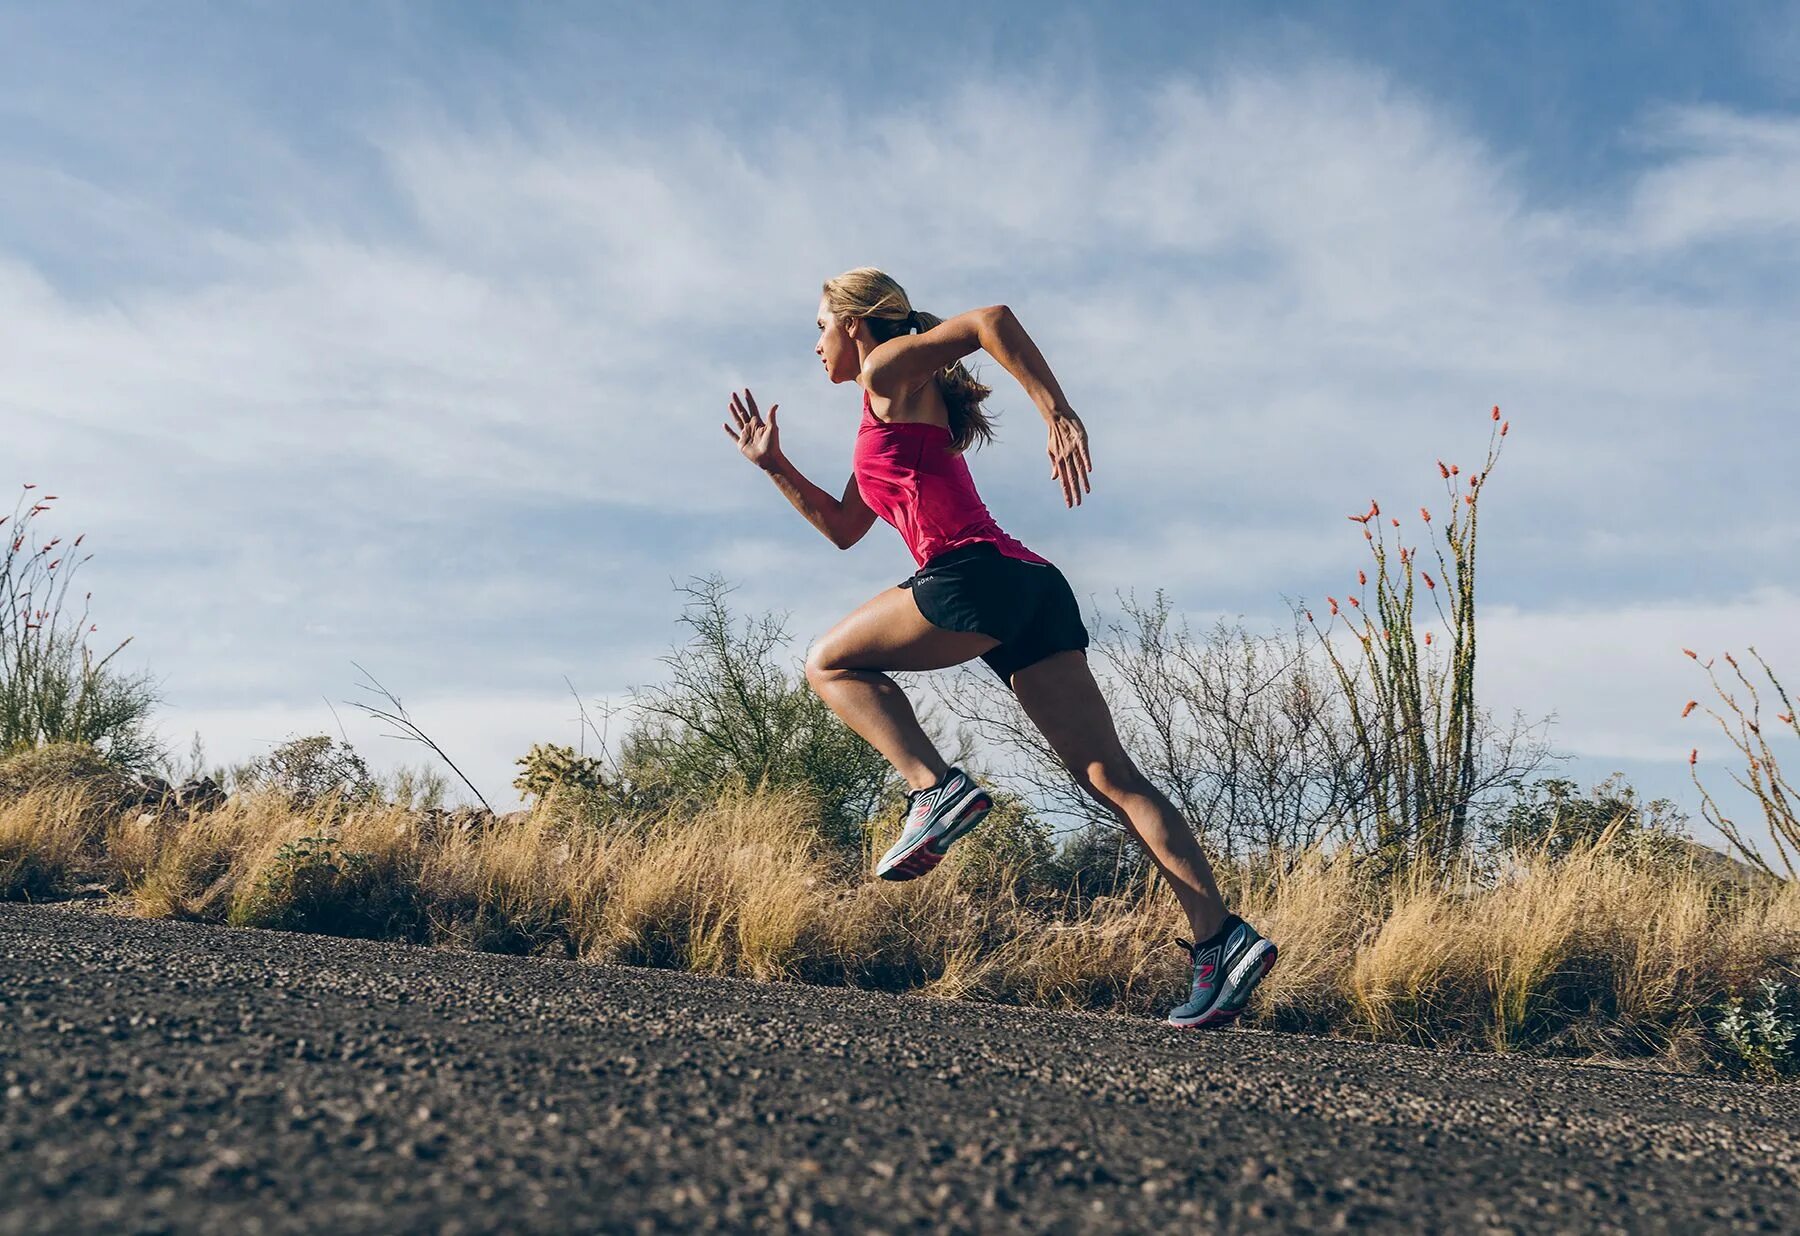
(871, 416)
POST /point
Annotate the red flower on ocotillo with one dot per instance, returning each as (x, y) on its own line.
(1334, 604)
(1361, 578)
(1395, 522)
(1693, 757)
(1691, 653)
(1496, 411)
(1730, 660)
(1443, 471)
(1367, 535)
(49, 497)
(1429, 582)
(1403, 552)
(1786, 718)
(78, 540)
(1374, 507)
(52, 566)
(30, 485)
(92, 627)
(1309, 616)
(1469, 498)
(1428, 637)
(1454, 469)
(1424, 514)
(1355, 602)
(1689, 708)
(1504, 427)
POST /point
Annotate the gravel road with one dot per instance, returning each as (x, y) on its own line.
(174, 1077)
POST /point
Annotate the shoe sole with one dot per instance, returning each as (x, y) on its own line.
(1244, 977)
(929, 851)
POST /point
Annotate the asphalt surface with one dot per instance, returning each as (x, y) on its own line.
(171, 1077)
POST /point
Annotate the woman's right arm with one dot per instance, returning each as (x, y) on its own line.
(843, 521)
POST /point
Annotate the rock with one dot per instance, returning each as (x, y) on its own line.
(200, 794)
(151, 789)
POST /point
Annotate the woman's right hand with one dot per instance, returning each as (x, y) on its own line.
(758, 440)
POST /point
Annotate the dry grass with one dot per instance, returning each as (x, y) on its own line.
(1595, 953)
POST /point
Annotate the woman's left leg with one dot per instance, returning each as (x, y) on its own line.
(1062, 699)
(888, 632)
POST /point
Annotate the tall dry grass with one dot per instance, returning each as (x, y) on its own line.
(1601, 952)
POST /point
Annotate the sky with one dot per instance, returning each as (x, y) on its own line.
(399, 336)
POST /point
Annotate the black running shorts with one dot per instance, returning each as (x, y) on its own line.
(1027, 606)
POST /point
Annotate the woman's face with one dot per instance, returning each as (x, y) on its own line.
(836, 348)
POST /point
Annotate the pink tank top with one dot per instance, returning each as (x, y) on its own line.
(908, 476)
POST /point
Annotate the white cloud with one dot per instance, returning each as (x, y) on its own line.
(1271, 294)
(1732, 177)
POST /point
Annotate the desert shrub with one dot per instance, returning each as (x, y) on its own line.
(1761, 1035)
(306, 770)
(1099, 860)
(415, 789)
(54, 687)
(734, 716)
(1551, 817)
(105, 787)
(1011, 849)
(314, 883)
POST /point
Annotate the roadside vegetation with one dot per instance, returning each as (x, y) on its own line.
(1429, 881)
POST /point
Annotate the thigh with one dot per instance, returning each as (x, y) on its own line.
(887, 632)
(1062, 699)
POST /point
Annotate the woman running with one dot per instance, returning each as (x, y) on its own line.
(977, 593)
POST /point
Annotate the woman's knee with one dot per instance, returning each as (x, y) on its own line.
(1110, 780)
(819, 664)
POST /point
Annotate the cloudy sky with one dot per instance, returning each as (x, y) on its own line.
(402, 334)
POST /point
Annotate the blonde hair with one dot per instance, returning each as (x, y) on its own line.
(870, 293)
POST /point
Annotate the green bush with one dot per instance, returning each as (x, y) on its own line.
(314, 884)
(305, 770)
(1552, 816)
(1010, 850)
(734, 715)
(1761, 1036)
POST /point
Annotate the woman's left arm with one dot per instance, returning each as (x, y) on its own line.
(905, 361)
(1003, 337)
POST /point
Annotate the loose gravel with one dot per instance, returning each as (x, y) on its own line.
(160, 1076)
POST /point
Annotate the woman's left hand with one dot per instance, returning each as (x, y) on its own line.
(1068, 450)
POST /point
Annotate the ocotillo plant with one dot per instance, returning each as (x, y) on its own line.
(1416, 723)
(1779, 800)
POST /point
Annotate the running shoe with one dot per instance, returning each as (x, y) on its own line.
(934, 818)
(1225, 970)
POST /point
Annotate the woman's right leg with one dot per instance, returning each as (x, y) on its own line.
(888, 632)
(1062, 699)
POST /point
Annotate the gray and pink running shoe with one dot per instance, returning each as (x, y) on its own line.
(934, 818)
(1224, 971)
